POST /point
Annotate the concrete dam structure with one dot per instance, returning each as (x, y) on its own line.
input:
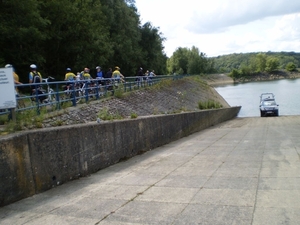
(35, 161)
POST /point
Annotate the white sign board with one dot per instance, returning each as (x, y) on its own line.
(7, 89)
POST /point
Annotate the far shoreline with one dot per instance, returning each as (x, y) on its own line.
(223, 79)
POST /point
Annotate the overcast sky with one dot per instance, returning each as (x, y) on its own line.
(219, 27)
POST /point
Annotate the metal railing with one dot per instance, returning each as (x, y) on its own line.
(54, 94)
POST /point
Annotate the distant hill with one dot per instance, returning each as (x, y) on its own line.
(226, 63)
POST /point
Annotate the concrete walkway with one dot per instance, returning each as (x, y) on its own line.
(244, 171)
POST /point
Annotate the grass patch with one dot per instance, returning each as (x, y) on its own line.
(105, 115)
(67, 104)
(210, 104)
(119, 91)
(133, 115)
(24, 120)
(161, 84)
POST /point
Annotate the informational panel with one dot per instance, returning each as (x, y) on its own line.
(7, 89)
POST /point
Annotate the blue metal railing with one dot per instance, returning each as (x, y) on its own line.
(57, 93)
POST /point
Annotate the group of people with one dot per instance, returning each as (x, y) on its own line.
(147, 74)
(145, 77)
(36, 77)
(100, 75)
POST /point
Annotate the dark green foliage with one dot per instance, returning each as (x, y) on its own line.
(261, 61)
(227, 63)
(252, 64)
(189, 61)
(291, 67)
(235, 74)
(22, 35)
(77, 33)
(272, 64)
(210, 104)
(152, 49)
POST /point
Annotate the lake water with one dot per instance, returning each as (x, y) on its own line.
(247, 95)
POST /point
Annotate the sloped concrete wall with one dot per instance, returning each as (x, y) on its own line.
(36, 161)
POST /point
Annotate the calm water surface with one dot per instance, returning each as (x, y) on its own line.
(247, 95)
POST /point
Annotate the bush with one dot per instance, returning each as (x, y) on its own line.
(105, 115)
(133, 115)
(210, 104)
(291, 67)
(272, 64)
(234, 74)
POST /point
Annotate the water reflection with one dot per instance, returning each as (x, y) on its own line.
(247, 95)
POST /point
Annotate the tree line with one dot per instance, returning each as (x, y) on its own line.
(189, 61)
(250, 63)
(58, 34)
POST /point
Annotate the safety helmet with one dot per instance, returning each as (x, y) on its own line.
(33, 66)
(8, 66)
(98, 67)
(117, 68)
(68, 69)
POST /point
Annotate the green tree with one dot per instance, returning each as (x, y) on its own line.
(235, 74)
(252, 64)
(197, 62)
(153, 56)
(291, 67)
(22, 34)
(261, 60)
(272, 64)
(194, 61)
(77, 39)
(77, 33)
(190, 61)
(123, 24)
(245, 70)
(179, 61)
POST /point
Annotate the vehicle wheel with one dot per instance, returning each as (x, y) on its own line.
(261, 114)
(276, 113)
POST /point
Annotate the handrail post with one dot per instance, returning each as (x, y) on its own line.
(73, 93)
(86, 91)
(57, 97)
(97, 89)
(37, 99)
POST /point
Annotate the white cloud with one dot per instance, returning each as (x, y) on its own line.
(286, 28)
(219, 27)
(224, 14)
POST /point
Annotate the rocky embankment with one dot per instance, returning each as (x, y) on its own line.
(174, 97)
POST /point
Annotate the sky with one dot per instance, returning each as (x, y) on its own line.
(221, 27)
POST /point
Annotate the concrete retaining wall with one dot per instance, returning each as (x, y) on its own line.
(36, 161)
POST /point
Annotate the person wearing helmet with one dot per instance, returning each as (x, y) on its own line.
(34, 75)
(99, 75)
(117, 74)
(86, 74)
(36, 78)
(16, 77)
(69, 75)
